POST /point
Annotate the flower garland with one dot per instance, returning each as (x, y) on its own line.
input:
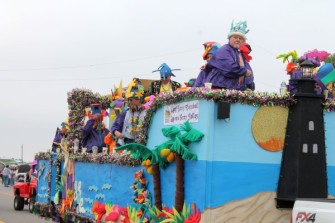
(117, 159)
(43, 156)
(329, 105)
(49, 211)
(78, 100)
(231, 96)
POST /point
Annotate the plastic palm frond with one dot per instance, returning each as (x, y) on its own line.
(132, 214)
(170, 219)
(163, 163)
(109, 207)
(192, 134)
(188, 155)
(138, 151)
(171, 132)
(59, 187)
(186, 210)
(156, 158)
(186, 126)
(285, 56)
(295, 55)
(178, 217)
(154, 212)
(178, 146)
(175, 217)
(166, 144)
(60, 183)
(282, 56)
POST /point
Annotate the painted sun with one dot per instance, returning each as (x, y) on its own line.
(269, 127)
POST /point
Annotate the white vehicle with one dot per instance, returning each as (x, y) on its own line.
(313, 211)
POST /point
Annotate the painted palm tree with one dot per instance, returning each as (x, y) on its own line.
(178, 143)
(143, 153)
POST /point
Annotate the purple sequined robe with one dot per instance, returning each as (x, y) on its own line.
(224, 69)
(93, 136)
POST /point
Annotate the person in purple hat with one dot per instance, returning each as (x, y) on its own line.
(94, 131)
(227, 69)
(210, 49)
(165, 84)
(61, 133)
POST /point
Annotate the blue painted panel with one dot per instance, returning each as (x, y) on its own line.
(206, 115)
(225, 140)
(42, 183)
(168, 184)
(331, 180)
(329, 119)
(93, 176)
(194, 183)
(234, 181)
(212, 184)
(234, 142)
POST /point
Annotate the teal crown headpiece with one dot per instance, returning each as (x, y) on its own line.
(239, 29)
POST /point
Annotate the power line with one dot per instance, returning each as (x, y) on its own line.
(86, 79)
(100, 64)
(65, 79)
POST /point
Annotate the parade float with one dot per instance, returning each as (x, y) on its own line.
(203, 156)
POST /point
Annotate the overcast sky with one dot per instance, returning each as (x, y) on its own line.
(47, 48)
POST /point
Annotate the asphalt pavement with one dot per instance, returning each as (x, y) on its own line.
(9, 215)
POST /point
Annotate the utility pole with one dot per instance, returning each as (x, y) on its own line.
(21, 152)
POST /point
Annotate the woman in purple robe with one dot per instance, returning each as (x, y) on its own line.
(94, 131)
(210, 49)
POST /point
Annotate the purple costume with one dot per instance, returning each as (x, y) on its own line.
(249, 81)
(118, 124)
(293, 82)
(93, 136)
(200, 81)
(224, 69)
(57, 139)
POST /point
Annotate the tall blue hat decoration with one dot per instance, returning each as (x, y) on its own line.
(239, 29)
(165, 70)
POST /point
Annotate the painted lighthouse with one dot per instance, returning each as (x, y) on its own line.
(303, 172)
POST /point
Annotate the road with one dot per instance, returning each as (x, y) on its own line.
(9, 215)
